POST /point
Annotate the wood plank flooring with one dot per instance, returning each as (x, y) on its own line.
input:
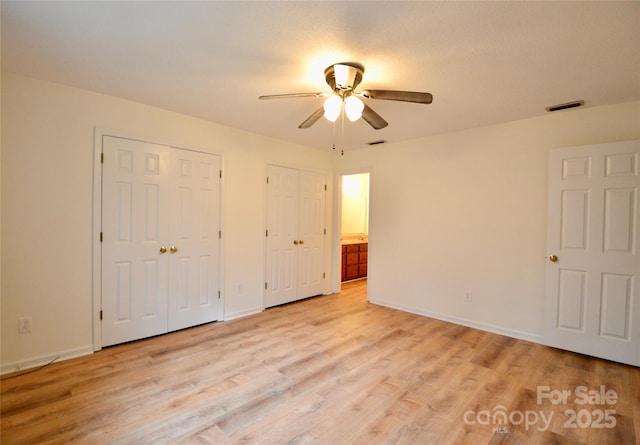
(328, 370)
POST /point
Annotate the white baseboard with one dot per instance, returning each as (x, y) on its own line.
(464, 322)
(34, 362)
(241, 314)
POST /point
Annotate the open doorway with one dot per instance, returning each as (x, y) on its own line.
(354, 235)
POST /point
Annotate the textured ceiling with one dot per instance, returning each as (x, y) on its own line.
(484, 62)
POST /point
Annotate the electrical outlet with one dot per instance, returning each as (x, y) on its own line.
(24, 325)
(468, 296)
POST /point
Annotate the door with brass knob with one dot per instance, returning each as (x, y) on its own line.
(194, 237)
(592, 301)
(157, 200)
(295, 238)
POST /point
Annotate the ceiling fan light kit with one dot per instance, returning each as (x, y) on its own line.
(332, 107)
(344, 78)
(353, 108)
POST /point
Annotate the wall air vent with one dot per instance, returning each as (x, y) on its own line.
(381, 141)
(575, 104)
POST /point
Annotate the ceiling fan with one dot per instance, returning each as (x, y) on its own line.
(344, 78)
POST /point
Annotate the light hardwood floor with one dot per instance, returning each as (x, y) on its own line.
(328, 370)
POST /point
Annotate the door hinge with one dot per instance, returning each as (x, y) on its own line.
(265, 285)
(100, 315)
(325, 231)
(220, 174)
(324, 275)
(219, 234)
(102, 158)
(267, 179)
(101, 236)
(325, 187)
(266, 232)
(219, 295)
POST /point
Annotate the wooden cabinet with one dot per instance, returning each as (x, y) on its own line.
(354, 261)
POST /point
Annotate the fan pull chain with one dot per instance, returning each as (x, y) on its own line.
(342, 113)
(334, 135)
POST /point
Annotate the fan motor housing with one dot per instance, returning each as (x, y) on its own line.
(352, 72)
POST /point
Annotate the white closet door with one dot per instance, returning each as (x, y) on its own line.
(194, 238)
(593, 290)
(282, 236)
(295, 234)
(135, 225)
(160, 249)
(311, 234)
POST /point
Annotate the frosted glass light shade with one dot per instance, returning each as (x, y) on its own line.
(353, 107)
(332, 108)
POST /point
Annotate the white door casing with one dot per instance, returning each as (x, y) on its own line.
(592, 303)
(160, 249)
(295, 236)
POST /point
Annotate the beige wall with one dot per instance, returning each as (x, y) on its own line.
(47, 204)
(467, 212)
(355, 204)
(457, 212)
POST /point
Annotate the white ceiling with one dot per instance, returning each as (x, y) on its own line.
(484, 62)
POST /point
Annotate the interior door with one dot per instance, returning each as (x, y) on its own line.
(311, 233)
(193, 238)
(135, 225)
(592, 301)
(295, 234)
(160, 249)
(282, 235)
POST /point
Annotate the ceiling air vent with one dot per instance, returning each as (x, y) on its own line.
(381, 141)
(575, 104)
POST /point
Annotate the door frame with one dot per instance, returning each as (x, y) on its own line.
(96, 254)
(336, 242)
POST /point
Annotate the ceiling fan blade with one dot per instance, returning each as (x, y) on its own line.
(313, 118)
(290, 95)
(403, 96)
(373, 118)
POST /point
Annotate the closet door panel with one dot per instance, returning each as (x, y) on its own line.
(194, 238)
(295, 235)
(281, 236)
(160, 253)
(135, 226)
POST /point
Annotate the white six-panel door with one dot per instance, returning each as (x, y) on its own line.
(295, 234)
(592, 299)
(312, 233)
(160, 249)
(194, 237)
(282, 251)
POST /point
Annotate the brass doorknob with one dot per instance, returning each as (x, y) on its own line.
(295, 241)
(301, 241)
(163, 249)
(173, 249)
(553, 258)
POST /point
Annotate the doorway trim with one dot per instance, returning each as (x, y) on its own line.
(336, 262)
